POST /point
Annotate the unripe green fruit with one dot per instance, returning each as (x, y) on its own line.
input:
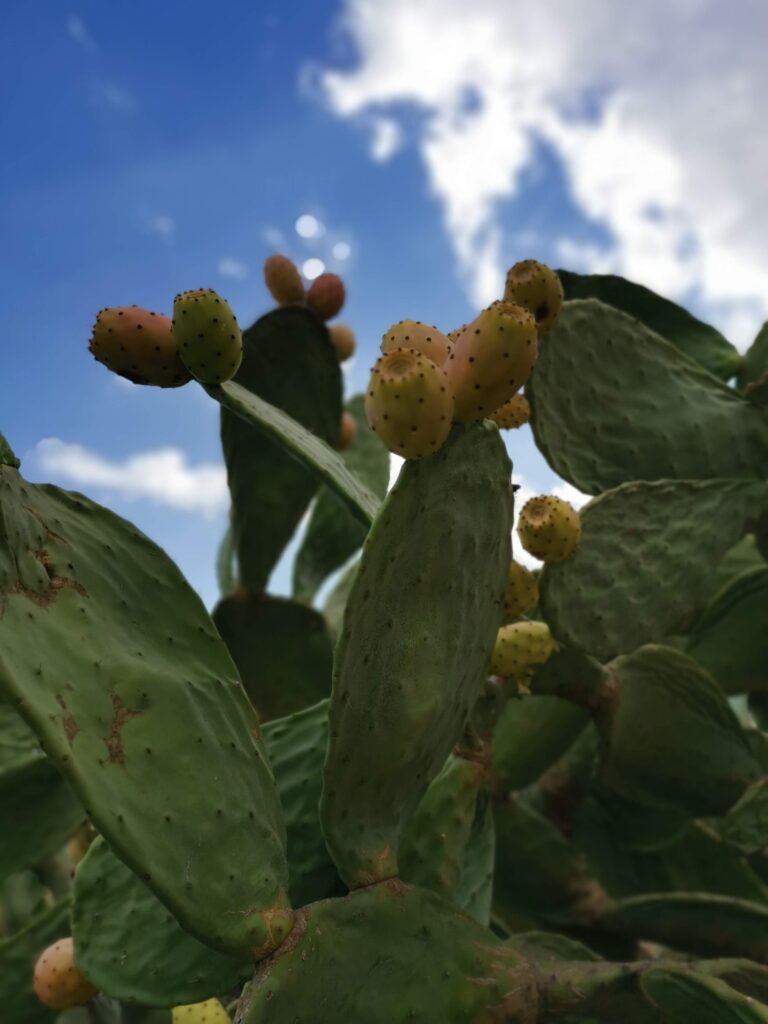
(491, 359)
(519, 646)
(283, 280)
(209, 1012)
(549, 528)
(210, 342)
(347, 432)
(343, 340)
(138, 345)
(522, 592)
(414, 334)
(513, 413)
(326, 296)
(409, 403)
(57, 982)
(538, 289)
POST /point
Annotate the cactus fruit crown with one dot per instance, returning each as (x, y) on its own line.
(538, 289)
(209, 339)
(549, 528)
(422, 337)
(57, 981)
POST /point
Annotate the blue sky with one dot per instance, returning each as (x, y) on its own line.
(153, 147)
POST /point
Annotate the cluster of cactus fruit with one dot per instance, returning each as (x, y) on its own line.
(433, 785)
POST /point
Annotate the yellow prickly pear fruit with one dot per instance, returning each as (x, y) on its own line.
(138, 345)
(57, 982)
(283, 280)
(491, 359)
(209, 340)
(538, 289)
(209, 1012)
(513, 413)
(347, 432)
(519, 646)
(343, 340)
(549, 528)
(80, 843)
(409, 403)
(414, 334)
(326, 296)
(522, 592)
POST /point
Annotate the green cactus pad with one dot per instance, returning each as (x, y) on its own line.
(418, 631)
(296, 748)
(474, 893)
(755, 363)
(336, 602)
(226, 570)
(549, 947)
(742, 556)
(697, 340)
(18, 955)
(671, 736)
(730, 639)
(611, 401)
(288, 362)
(282, 650)
(682, 998)
(7, 458)
(38, 810)
(389, 953)
(645, 560)
(129, 946)
(111, 658)
(745, 827)
(334, 533)
(530, 735)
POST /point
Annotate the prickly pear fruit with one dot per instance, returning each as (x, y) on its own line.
(522, 592)
(57, 982)
(519, 646)
(491, 360)
(343, 340)
(536, 288)
(138, 345)
(347, 432)
(414, 334)
(80, 843)
(283, 280)
(409, 403)
(209, 1012)
(549, 528)
(513, 413)
(210, 342)
(326, 296)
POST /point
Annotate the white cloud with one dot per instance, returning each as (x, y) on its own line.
(655, 110)
(162, 226)
(115, 97)
(233, 268)
(387, 139)
(163, 476)
(78, 31)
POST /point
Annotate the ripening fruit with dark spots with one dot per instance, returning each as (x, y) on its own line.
(491, 359)
(409, 403)
(57, 981)
(209, 1012)
(343, 340)
(414, 334)
(521, 594)
(549, 528)
(519, 647)
(138, 345)
(283, 280)
(209, 339)
(538, 289)
(347, 432)
(326, 296)
(512, 414)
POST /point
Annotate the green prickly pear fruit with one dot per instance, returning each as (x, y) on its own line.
(409, 403)
(347, 432)
(522, 592)
(549, 528)
(513, 413)
(209, 340)
(138, 345)
(414, 334)
(209, 1012)
(519, 646)
(343, 340)
(536, 288)
(491, 360)
(326, 296)
(283, 280)
(58, 984)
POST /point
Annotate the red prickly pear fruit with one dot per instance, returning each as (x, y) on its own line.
(549, 528)
(347, 432)
(57, 982)
(522, 592)
(513, 413)
(138, 345)
(343, 340)
(414, 334)
(283, 280)
(326, 296)
(209, 340)
(491, 359)
(209, 1012)
(409, 403)
(519, 646)
(536, 288)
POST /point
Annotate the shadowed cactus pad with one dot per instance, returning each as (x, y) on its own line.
(414, 334)
(59, 984)
(549, 528)
(138, 345)
(209, 340)
(519, 646)
(512, 414)
(522, 592)
(283, 280)
(536, 288)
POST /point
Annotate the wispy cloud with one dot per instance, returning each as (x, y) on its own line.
(77, 30)
(387, 138)
(162, 226)
(233, 268)
(163, 476)
(113, 97)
